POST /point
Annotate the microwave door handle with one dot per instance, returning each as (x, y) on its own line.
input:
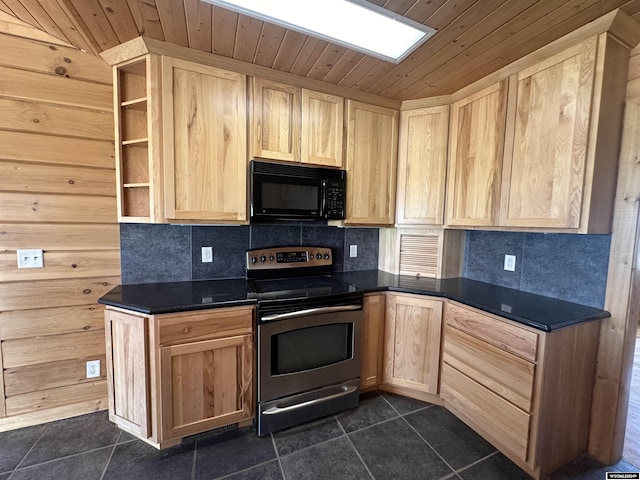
(323, 199)
(310, 311)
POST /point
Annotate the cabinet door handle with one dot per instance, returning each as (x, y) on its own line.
(308, 403)
(310, 311)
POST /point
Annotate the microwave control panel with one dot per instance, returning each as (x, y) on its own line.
(334, 198)
(288, 257)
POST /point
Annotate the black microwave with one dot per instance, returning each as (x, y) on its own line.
(296, 192)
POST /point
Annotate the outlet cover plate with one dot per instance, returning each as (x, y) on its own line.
(93, 368)
(207, 254)
(31, 258)
(353, 251)
(510, 263)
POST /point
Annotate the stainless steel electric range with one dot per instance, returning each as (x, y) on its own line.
(308, 336)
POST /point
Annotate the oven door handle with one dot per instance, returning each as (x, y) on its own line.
(310, 311)
(308, 403)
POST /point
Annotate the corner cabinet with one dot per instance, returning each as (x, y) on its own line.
(204, 135)
(372, 144)
(526, 391)
(174, 375)
(475, 166)
(422, 166)
(560, 165)
(412, 337)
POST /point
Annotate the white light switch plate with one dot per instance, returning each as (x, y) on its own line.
(31, 258)
(510, 263)
(353, 251)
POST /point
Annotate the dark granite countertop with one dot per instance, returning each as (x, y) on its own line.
(537, 311)
(153, 298)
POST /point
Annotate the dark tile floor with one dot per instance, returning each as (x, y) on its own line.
(387, 437)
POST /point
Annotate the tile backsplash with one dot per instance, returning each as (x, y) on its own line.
(172, 253)
(564, 266)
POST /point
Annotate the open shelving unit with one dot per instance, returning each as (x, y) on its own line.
(137, 161)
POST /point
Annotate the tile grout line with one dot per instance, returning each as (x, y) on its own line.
(63, 458)
(453, 470)
(32, 447)
(275, 448)
(355, 449)
(480, 460)
(106, 466)
(193, 463)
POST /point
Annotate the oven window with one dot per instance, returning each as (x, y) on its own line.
(289, 196)
(312, 347)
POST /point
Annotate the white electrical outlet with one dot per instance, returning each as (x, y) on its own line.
(353, 251)
(207, 254)
(93, 368)
(31, 258)
(510, 263)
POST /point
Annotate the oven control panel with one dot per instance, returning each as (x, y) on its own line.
(288, 257)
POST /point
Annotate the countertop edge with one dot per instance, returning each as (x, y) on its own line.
(598, 314)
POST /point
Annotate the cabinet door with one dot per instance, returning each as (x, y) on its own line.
(422, 165)
(204, 124)
(544, 176)
(477, 145)
(372, 141)
(372, 340)
(322, 125)
(412, 343)
(205, 385)
(275, 120)
(127, 375)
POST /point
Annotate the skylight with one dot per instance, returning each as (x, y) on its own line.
(355, 24)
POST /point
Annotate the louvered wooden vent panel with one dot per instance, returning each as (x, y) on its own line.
(419, 255)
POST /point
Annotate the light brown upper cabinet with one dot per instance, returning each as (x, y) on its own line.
(275, 120)
(295, 124)
(322, 126)
(204, 135)
(422, 166)
(476, 153)
(372, 141)
(561, 154)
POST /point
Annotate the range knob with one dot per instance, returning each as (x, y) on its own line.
(263, 258)
(271, 258)
(318, 256)
(326, 256)
(253, 259)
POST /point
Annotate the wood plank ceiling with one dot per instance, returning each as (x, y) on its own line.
(474, 38)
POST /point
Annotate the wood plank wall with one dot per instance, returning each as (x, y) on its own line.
(57, 193)
(618, 333)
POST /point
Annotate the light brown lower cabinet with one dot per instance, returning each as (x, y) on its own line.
(412, 336)
(526, 391)
(174, 375)
(372, 340)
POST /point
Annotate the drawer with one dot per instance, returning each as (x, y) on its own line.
(197, 325)
(501, 334)
(491, 415)
(503, 373)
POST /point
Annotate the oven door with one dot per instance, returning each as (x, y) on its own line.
(305, 350)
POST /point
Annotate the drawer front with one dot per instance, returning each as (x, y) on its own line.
(494, 417)
(501, 334)
(503, 373)
(191, 326)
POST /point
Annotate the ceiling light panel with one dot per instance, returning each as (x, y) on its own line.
(355, 24)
